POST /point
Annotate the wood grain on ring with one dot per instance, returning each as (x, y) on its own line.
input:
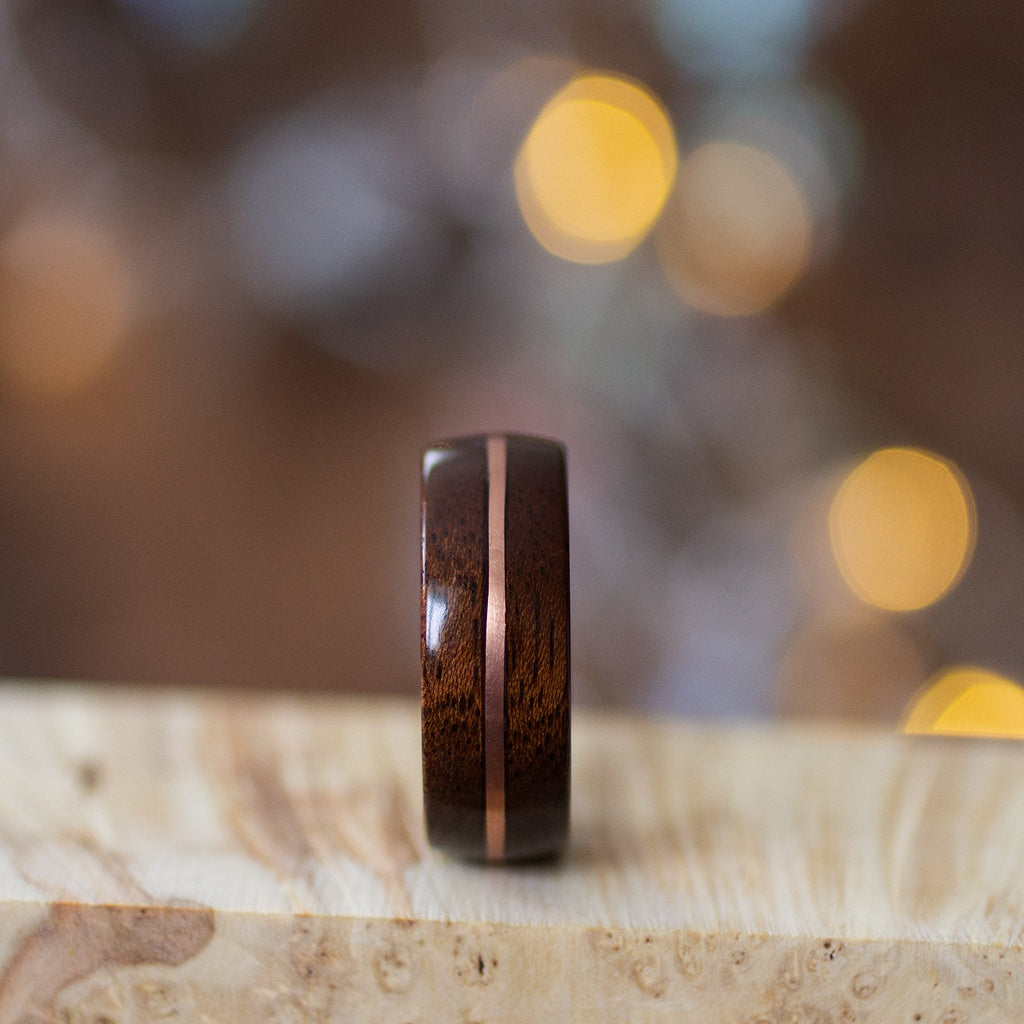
(458, 521)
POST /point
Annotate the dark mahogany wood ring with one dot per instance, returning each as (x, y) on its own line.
(494, 641)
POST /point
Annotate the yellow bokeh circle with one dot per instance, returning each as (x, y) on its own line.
(595, 169)
(736, 234)
(902, 527)
(66, 298)
(968, 701)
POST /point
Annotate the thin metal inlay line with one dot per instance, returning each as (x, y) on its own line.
(494, 650)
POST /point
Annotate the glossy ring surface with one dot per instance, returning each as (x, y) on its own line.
(494, 629)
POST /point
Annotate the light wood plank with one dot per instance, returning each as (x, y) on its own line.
(208, 858)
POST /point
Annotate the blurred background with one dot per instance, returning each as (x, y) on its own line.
(759, 264)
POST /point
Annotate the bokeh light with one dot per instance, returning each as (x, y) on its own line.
(321, 219)
(862, 665)
(968, 701)
(477, 106)
(810, 131)
(902, 527)
(735, 37)
(595, 169)
(736, 234)
(65, 304)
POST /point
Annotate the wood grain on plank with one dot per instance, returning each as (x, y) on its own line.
(213, 858)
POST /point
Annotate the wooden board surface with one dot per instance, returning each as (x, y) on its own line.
(219, 859)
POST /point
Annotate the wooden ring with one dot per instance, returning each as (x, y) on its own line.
(494, 642)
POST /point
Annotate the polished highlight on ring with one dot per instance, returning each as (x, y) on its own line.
(494, 650)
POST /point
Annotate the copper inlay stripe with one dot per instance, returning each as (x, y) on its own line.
(494, 651)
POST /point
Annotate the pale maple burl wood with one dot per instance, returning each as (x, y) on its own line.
(173, 856)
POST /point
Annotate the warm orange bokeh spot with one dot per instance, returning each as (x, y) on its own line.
(736, 234)
(594, 170)
(902, 528)
(968, 701)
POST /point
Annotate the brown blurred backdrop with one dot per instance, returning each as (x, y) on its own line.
(255, 253)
